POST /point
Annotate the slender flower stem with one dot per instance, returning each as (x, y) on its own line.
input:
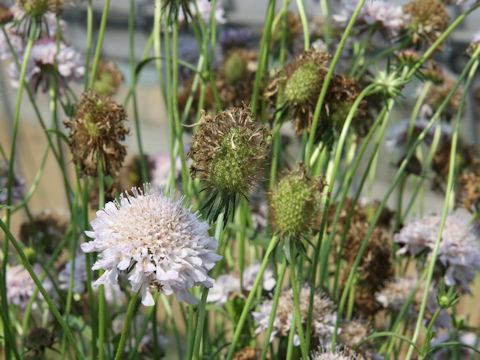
(126, 325)
(264, 50)
(42, 290)
(98, 50)
(88, 52)
(133, 74)
(326, 82)
(276, 297)
(101, 295)
(23, 70)
(448, 192)
(303, 18)
(251, 296)
(296, 300)
(199, 325)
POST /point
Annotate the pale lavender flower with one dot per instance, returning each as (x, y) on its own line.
(459, 251)
(339, 353)
(79, 274)
(15, 40)
(389, 16)
(17, 185)
(324, 315)
(395, 293)
(113, 293)
(48, 22)
(225, 285)
(42, 62)
(160, 243)
(251, 272)
(20, 285)
(205, 9)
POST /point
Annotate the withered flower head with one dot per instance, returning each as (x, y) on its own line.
(295, 202)
(39, 339)
(108, 78)
(247, 353)
(95, 134)
(353, 333)
(229, 152)
(44, 233)
(439, 92)
(376, 265)
(5, 14)
(428, 19)
(469, 191)
(293, 29)
(38, 8)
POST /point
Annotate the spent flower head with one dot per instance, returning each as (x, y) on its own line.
(156, 241)
(95, 134)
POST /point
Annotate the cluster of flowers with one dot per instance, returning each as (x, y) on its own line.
(350, 261)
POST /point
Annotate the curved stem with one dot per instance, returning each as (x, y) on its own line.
(449, 191)
(98, 50)
(251, 296)
(303, 18)
(126, 325)
(326, 82)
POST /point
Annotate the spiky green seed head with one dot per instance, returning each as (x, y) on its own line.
(294, 203)
(234, 67)
(304, 84)
(35, 8)
(229, 151)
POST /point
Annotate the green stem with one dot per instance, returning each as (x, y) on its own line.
(88, 53)
(251, 296)
(303, 18)
(98, 50)
(449, 191)
(264, 50)
(126, 325)
(276, 297)
(133, 74)
(326, 82)
(199, 326)
(101, 288)
(296, 300)
(46, 297)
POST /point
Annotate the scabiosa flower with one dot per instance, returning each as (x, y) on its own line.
(20, 285)
(428, 19)
(224, 286)
(459, 251)
(294, 202)
(324, 315)
(395, 293)
(204, 9)
(339, 353)
(438, 93)
(468, 191)
(388, 18)
(17, 185)
(38, 8)
(247, 353)
(41, 69)
(108, 78)
(229, 152)
(159, 243)
(250, 274)
(79, 274)
(95, 134)
(45, 232)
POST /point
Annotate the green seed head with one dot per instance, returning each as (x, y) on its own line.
(90, 126)
(294, 202)
(234, 67)
(229, 151)
(31, 254)
(304, 84)
(35, 8)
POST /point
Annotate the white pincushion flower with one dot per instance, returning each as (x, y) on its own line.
(459, 251)
(157, 241)
(251, 272)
